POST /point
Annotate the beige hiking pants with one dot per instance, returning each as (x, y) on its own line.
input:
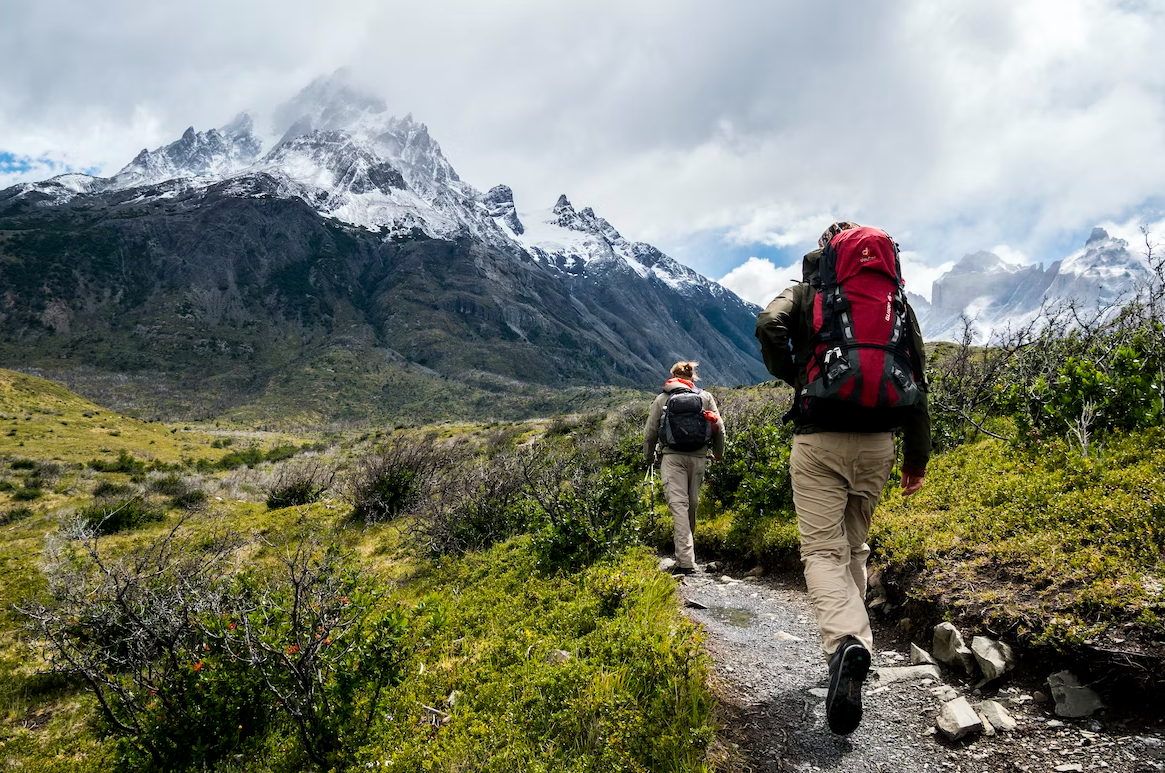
(837, 480)
(682, 476)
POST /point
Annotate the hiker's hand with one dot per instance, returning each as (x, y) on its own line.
(911, 483)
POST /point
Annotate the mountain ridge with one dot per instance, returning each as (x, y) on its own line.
(349, 232)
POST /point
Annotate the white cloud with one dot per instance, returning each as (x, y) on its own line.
(952, 125)
(759, 280)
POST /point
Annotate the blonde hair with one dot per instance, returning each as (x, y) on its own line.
(685, 370)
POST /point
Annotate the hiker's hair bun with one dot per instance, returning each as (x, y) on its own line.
(685, 370)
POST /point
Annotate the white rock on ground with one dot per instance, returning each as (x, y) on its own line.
(995, 658)
(557, 657)
(998, 716)
(786, 636)
(988, 728)
(950, 648)
(957, 719)
(920, 657)
(905, 673)
(944, 692)
(666, 564)
(1072, 698)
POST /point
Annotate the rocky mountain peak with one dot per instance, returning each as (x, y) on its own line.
(499, 203)
(1098, 235)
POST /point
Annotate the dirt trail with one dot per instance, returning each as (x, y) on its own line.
(771, 675)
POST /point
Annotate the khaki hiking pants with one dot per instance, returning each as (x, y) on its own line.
(681, 476)
(837, 480)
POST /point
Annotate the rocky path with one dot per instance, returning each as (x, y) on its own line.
(771, 679)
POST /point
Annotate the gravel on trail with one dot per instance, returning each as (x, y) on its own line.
(770, 677)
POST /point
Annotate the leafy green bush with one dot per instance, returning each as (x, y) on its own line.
(22, 464)
(15, 514)
(107, 516)
(27, 494)
(193, 498)
(125, 463)
(587, 498)
(107, 488)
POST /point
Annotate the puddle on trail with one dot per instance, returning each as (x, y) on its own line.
(734, 616)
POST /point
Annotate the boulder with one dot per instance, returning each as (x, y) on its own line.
(998, 716)
(667, 564)
(558, 657)
(950, 648)
(995, 658)
(1072, 698)
(944, 692)
(920, 657)
(958, 720)
(906, 673)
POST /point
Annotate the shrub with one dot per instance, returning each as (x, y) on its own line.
(192, 499)
(108, 516)
(753, 476)
(480, 503)
(299, 484)
(190, 663)
(22, 464)
(389, 482)
(15, 514)
(27, 493)
(171, 484)
(586, 497)
(107, 488)
(125, 463)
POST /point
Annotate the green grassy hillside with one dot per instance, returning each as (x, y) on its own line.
(533, 652)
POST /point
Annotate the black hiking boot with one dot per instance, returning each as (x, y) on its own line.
(848, 667)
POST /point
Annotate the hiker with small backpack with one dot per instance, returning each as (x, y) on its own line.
(848, 343)
(685, 423)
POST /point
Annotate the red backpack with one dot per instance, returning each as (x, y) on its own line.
(861, 374)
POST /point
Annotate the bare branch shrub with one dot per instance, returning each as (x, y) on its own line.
(394, 479)
(300, 483)
(191, 660)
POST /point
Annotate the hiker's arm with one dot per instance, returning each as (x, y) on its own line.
(916, 432)
(774, 326)
(651, 430)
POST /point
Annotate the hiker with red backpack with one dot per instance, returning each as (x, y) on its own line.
(685, 422)
(848, 343)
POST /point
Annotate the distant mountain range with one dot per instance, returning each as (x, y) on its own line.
(995, 295)
(335, 249)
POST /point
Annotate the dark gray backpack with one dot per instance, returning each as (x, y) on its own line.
(683, 425)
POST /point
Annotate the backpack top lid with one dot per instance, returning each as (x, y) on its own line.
(860, 249)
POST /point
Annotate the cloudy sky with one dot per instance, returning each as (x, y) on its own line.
(728, 134)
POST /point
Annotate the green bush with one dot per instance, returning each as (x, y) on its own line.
(191, 499)
(108, 488)
(193, 664)
(108, 516)
(299, 484)
(125, 463)
(22, 464)
(393, 480)
(27, 493)
(15, 514)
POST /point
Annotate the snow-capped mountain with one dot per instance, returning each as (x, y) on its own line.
(330, 216)
(345, 155)
(996, 295)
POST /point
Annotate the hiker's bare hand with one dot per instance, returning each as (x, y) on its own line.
(910, 483)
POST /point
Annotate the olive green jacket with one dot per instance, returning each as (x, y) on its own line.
(784, 321)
